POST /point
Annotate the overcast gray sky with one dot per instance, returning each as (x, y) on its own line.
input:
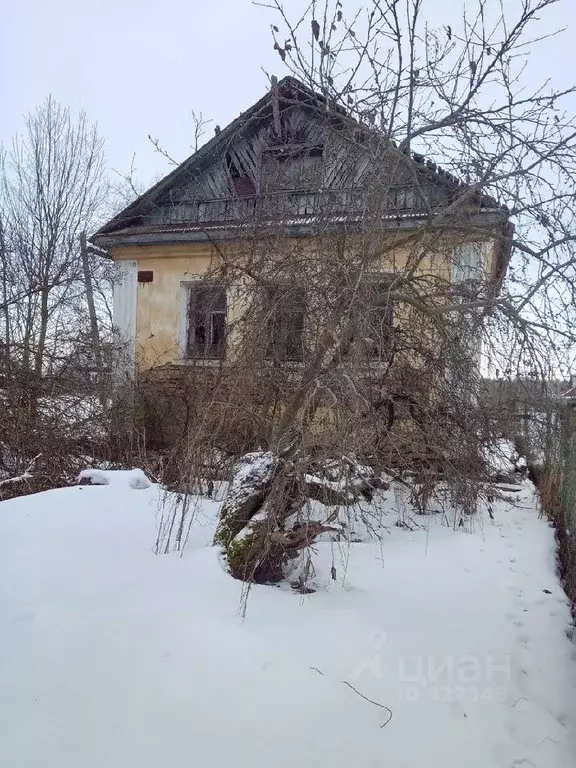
(141, 66)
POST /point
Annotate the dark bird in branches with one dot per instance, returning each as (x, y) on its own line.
(281, 51)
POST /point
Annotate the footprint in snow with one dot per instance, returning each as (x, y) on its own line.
(524, 672)
(521, 675)
(562, 718)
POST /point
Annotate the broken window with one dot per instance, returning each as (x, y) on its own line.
(284, 311)
(206, 321)
(241, 181)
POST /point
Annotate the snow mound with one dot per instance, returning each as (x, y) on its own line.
(93, 477)
(138, 480)
(133, 478)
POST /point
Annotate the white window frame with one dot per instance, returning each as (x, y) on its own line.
(469, 262)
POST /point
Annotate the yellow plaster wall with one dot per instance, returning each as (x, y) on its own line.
(159, 303)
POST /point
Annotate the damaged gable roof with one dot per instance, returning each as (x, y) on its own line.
(289, 91)
(262, 108)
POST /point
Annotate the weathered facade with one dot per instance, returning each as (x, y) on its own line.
(291, 174)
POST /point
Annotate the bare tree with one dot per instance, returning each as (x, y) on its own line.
(52, 188)
(199, 123)
(54, 291)
(459, 95)
(390, 364)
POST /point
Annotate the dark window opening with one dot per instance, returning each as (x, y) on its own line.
(285, 309)
(206, 321)
(241, 181)
(233, 169)
(379, 319)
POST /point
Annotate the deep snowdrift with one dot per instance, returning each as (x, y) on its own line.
(113, 657)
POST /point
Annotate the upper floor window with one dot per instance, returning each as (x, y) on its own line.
(207, 309)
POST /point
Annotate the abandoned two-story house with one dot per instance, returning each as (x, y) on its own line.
(289, 198)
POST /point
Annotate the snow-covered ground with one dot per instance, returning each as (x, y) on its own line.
(434, 647)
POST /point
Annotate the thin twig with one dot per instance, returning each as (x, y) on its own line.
(370, 701)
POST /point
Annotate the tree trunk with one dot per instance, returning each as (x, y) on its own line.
(42, 332)
(261, 527)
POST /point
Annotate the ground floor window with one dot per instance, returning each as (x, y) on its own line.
(207, 309)
(285, 310)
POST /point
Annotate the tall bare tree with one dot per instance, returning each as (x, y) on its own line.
(52, 187)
